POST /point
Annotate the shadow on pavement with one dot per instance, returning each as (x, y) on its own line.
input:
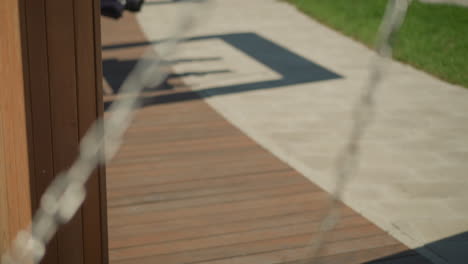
(293, 68)
(454, 250)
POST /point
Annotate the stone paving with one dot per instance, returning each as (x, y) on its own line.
(413, 176)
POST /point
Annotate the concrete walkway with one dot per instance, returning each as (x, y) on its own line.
(290, 83)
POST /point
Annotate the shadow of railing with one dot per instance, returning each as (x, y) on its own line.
(452, 250)
(116, 71)
(293, 68)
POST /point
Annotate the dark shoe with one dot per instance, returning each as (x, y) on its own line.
(111, 8)
(134, 5)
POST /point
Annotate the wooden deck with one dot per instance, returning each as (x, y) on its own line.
(189, 187)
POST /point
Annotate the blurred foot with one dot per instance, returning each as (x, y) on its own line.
(134, 5)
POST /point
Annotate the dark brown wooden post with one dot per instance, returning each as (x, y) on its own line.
(50, 93)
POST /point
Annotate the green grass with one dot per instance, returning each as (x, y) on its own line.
(433, 38)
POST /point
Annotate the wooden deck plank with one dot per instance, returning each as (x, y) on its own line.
(189, 187)
(207, 184)
(300, 209)
(228, 187)
(262, 246)
(277, 257)
(225, 198)
(317, 201)
(174, 173)
(208, 229)
(353, 227)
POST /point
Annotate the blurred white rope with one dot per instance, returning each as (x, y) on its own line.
(66, 194)
(348, 159)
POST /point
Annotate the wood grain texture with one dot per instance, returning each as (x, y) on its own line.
(50, 95)
(39, 105)
(15, 201)
(63, 98)
(89, 107)
(189, 187)
(101, 170)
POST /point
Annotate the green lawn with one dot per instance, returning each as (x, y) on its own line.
(433, 38)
